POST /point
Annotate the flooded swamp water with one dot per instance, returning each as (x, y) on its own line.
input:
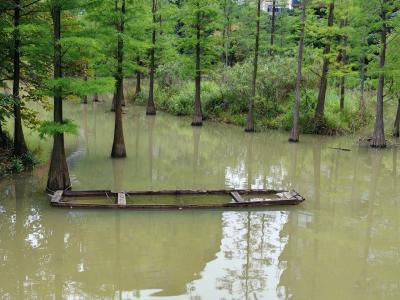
(343, 242)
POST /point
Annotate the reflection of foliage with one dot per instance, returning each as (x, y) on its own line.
(51, 128)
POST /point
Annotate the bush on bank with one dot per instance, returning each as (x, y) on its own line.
(225, 96)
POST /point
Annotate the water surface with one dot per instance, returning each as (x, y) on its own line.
(342, 243)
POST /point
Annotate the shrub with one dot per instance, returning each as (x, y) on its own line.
(17, 166)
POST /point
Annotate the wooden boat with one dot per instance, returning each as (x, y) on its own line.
(175, 199)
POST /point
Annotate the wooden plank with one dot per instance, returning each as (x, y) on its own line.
(121, 200)
(236, 196)
(57, 196)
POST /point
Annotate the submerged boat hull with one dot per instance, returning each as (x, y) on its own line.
(118, 200)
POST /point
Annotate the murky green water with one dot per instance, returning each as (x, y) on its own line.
(342, 243)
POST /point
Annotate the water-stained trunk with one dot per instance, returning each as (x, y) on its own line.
(20, 147)
(378, 138)
(151, 108)
(118, 147)
(294, 135)
(198, 114)
(319, 112)
(58, 178)
(250, 113)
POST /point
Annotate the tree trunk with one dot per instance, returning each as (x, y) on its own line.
(396, 127)
(3, 139)
(271, 51)
(250, 114)
(115, 94)
(58, 178)
(198, 115)
(319, 112)
(118, 147)
(96, 97)
(294, 135)
(342, 93)
(85, 78)
(20, 147)
(378, 138)
(362, 88)
(151, 108)
(138, 88)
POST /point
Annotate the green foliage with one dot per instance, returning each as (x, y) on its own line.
(17, 165)
(49, 128)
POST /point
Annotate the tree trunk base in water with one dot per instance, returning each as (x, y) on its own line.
(293, 140)
(197, 123)
(118, 151)
(378, 143)
(58, 178)
(249, 124)
(151, 111)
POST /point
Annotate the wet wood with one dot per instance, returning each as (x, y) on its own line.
(341, 149)
(236, 196)
(121, 200)
(270, 198)
(57, 197)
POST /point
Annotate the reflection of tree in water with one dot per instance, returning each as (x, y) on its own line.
(252, 244)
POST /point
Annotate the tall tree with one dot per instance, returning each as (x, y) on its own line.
(250, 113)
(378, 137)
(294, 135)
(151, 108)
(272, 37)
(58, 178)
(319, 111)
(118, 147)
(20, 147)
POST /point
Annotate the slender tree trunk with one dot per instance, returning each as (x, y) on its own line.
(19, 139)
(85, 78)
(362, 88)
(138, 88)
(250, 114)
(345, 61)
(227, 32)
(58, 178)
(294, 135)
(319, 112)
(396, 127)
(378, 138)
(198, 114)
(342, 92)
(3, 139)
(151, 108)
(96, 95)
(272, 39)
(118, 147)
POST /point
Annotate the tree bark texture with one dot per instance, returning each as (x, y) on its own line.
(58, 178)
(250, 113)
(378, 138)
(294, 135)
(197, 113)
(319, 112)
(20, 147)
(118, 147)
(151, 108)
(272, 39)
